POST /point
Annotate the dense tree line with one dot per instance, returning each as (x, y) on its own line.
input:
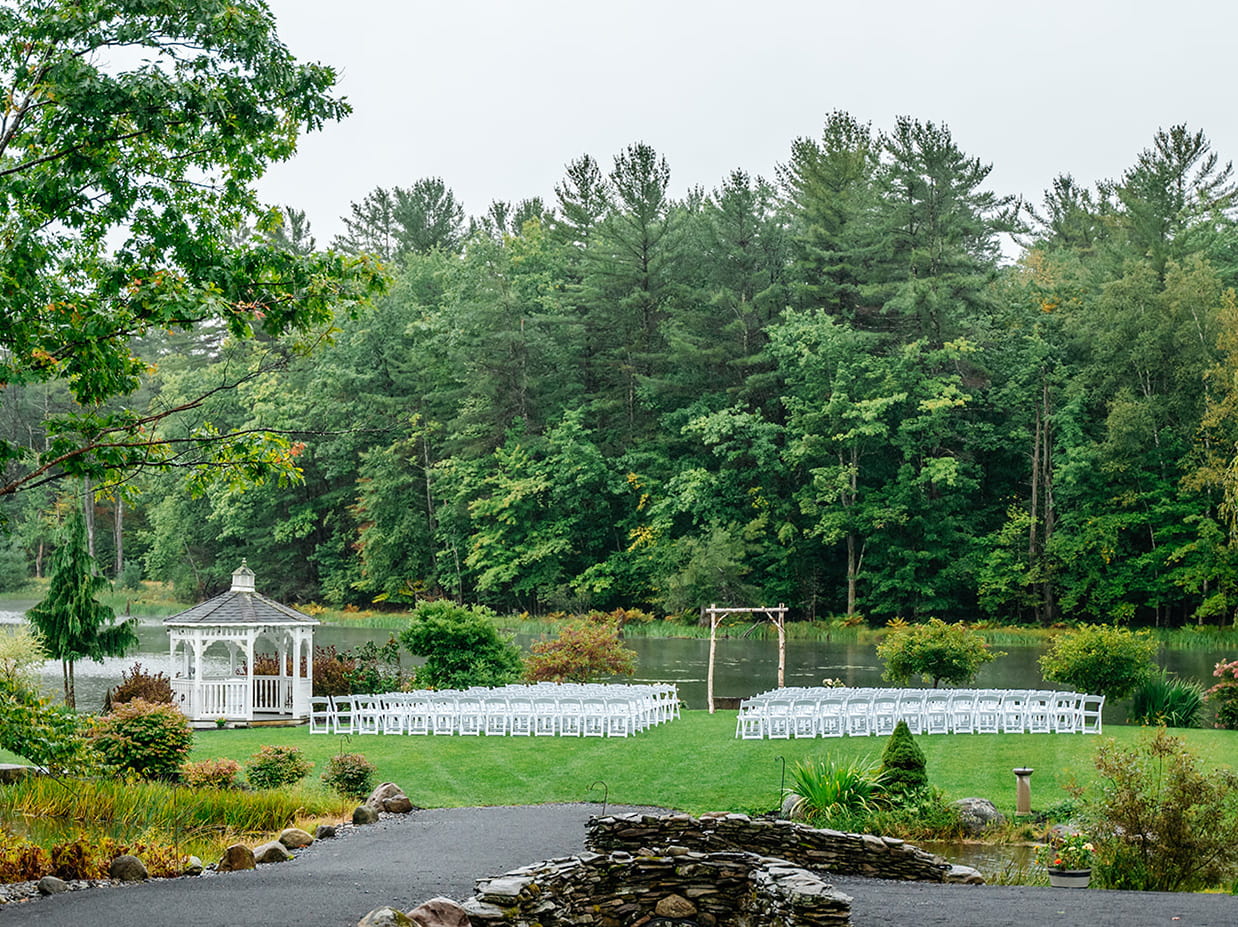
(828, 389)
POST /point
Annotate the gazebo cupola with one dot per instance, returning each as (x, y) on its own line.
(213, 646)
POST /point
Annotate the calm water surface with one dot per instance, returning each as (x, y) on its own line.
(742, 667)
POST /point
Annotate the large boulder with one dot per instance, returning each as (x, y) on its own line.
(978, 815)
(439, 912)
(385, 917)
(294, 838)
(389, 797)
(273, 852)
(235, 858)
(126, 868)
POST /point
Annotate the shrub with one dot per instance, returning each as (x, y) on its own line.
(936, 651)
(1225, 695)
(462, 647)
(904, 771)
(374, 668)
(827, 789)
(1165, 823)
(583, 652)
(41, 733)
(1162, 699)
(273, 766)
(1100, 659)
(350, 774)
(148, 740)
(211, 774)
(155, 688)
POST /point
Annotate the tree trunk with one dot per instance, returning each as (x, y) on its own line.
(88, 509)
(118, 535)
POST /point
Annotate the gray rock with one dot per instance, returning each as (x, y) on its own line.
(324, 831)
(381, 793)
(790, 806)
(294, 838)
(385, 917)
(127, 868)
(50, 885)
(235, 858)
(964, 875)
(397, 804)
(193, 867)
(364, 814)
(439, 912)
(273, 852)
(978, 815)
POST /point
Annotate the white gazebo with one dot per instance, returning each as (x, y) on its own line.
(207, 690)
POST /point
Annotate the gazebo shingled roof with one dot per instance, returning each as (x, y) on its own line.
(240, 605)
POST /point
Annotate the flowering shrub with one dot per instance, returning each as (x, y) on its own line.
(215, 774)
(274, 766)
(1066, 851)
(1225, 695)
(143, 738)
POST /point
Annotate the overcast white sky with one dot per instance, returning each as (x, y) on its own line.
(496, 97)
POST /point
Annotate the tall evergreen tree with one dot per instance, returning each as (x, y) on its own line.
(72, 624)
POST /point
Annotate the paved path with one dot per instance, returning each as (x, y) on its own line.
(404, 861)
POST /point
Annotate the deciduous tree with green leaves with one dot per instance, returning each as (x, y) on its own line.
(132, 136)
(936, 651)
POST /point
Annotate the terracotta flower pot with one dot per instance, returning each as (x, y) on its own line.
(1069, 878)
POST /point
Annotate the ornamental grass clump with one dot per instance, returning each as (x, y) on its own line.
(826, 789)
(1067, 851)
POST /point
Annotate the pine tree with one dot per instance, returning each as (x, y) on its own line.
(71, 623)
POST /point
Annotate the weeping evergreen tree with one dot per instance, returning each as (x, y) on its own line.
(71, 623)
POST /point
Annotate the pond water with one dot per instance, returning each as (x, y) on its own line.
(742, 668)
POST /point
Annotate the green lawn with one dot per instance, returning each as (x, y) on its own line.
(694, 764)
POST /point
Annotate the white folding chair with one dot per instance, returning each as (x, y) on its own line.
(444, 713)
(937, 713)
(1038, 712)
(1090, 707)
(750, 725)
(1014, 712)
(593, 717)
(619, 717)
(963, 712)
(884, 713)
(859, 715)
(418, 713)
(804, 717)
(831, 717)
(320, 714)
(571, 717)
(988, 713)
(545, 716)
(393, 713)
(497, 714)
(911, 709)
(342, 714)
(1064, 713)
(778, 718)
(470, 715)
(520, 715)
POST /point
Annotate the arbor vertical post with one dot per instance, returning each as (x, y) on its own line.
(716, 614)
(713, 649)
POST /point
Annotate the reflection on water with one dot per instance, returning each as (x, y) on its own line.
(743, 667)
(992, 860)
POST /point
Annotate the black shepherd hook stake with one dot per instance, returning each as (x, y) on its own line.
(605, 793)
(782, 783)
(344, 739)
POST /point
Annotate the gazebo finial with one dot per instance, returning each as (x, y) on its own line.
(243, 578)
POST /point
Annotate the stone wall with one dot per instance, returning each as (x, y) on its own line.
(678, 886)
(815, 849)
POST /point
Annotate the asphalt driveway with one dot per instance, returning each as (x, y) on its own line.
(404, 860)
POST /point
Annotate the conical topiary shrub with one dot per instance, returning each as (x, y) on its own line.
(903, 767)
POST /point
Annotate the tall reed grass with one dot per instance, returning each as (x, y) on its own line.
(161, 811)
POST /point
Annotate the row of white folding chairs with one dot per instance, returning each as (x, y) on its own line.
(859, 712)
(588, 711)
